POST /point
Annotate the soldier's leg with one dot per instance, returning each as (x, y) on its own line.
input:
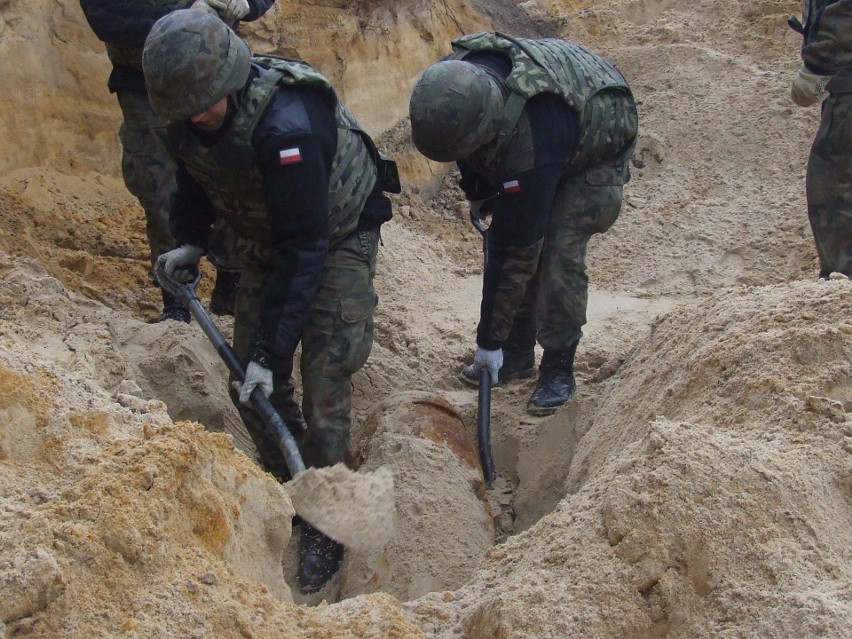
(581, 209)
(829, 186)
(519, 349)
(246, 322)
(149, 174)
(585, 204)
(147, 166)
(336, 342)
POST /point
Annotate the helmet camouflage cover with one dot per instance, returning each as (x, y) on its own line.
(455, 108)
(191, 60)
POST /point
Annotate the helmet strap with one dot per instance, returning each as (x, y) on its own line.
(511, 114)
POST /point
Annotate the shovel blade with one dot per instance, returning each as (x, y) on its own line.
(355, 509)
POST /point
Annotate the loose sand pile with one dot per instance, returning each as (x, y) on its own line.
(709, 496)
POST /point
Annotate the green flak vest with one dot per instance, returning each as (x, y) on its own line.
(228, 171)
(125, 56)
(568, 70)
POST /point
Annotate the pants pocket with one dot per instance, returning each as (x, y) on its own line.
(339, 335)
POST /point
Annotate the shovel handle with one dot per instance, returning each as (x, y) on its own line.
(483, 413)
(260, 402)
(483, 427)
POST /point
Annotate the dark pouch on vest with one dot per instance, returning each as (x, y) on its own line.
(388, 175)
(377, 210)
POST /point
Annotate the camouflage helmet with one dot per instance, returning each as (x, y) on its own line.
(191, 60)
(455, 108)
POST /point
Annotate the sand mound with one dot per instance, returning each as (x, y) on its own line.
(114, 519)
(444, 523)
(712, 486)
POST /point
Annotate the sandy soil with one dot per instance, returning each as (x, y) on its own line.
(699, 485)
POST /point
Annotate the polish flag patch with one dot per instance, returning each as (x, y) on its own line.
(511, 186)
(289, 156)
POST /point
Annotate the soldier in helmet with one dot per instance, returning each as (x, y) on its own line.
(147, 167)
(542, 132)
(825, 78)
(265, 141)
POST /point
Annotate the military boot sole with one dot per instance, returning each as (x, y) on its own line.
(546, 398)
(542, 411)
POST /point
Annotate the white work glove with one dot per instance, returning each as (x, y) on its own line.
(230, 10)
(809, 88)
(482, 358)
(257, 376)
(181, 264)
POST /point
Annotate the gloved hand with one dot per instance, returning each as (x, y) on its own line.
(257, 376)
(492, 360)
(230, 10)
(204, 6)
(809, 88)
(181, 264)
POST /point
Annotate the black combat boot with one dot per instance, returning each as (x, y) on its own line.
(319, 559)
(556, 383)
(224, 292)
(173, 309)
(516, 365)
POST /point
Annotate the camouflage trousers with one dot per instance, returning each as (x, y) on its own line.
(829, 180)
(336, 340)
(554, 307)
(149, 174)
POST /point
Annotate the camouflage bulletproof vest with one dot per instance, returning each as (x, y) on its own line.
(229, 172)
(126, 56)
(563, 68)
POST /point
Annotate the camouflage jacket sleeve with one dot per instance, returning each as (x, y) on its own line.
(828, 43)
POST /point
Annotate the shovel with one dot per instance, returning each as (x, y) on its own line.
(354, 509)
